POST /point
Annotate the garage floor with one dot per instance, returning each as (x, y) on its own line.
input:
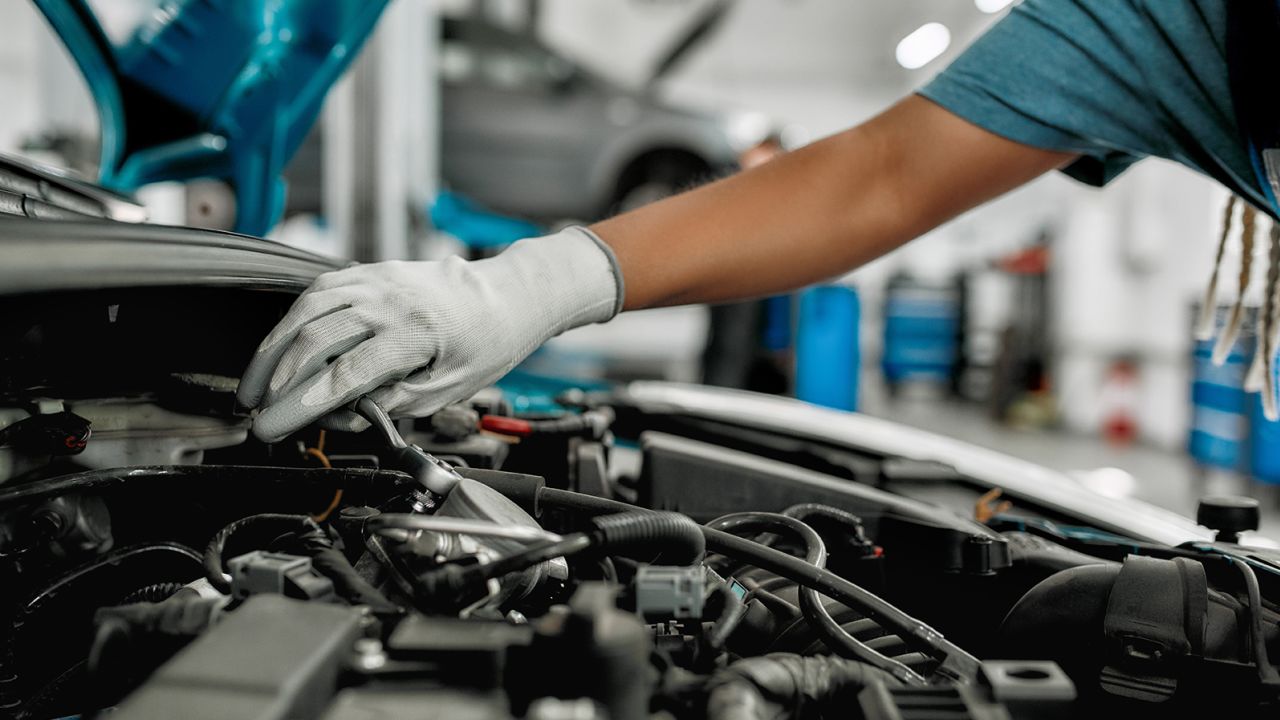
(1164, 478)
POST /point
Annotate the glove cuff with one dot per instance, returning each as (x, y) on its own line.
(557, 282)
(620, 287)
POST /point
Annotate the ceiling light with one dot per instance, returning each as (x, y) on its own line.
(923, 45)
(992, 6)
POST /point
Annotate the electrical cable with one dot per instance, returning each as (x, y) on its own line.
(278, 523)
(671, 536)
(317, 452)
(348, 583)
(592, 423)
(962, 664)
(828, 583)
(811, 603)
(311, 541)
(774, 603)
(804, 511)
(566, 546)
(730, 617)
(1266, 672)
(607, 570)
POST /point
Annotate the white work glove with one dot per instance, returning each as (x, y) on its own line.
(417, 336)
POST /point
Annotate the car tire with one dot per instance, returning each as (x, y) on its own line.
(657, 177)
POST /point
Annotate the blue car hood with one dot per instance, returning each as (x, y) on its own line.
(221, 89)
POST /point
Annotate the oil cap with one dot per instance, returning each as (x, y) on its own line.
(1229, 515)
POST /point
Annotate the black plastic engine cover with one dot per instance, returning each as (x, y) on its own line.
(1119, 642)
(272, 658)
(705, 481)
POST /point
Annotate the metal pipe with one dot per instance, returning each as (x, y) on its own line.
(462, 526)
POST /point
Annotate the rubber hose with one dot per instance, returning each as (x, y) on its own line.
(811, 603)
(151, 593)
(348, 583)
(591, 422)
(673, 538)
(527, 558)
(775, 604)
(676, 538)
(1257, 638)
(826, 582)
(804, 511)
(730, 617)
(777, 685)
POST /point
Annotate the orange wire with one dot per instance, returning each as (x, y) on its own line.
(317, 452)
(986, 507)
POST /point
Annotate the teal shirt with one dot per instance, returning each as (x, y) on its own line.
(1113, 80)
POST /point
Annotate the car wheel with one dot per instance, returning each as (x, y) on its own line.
(656, 178)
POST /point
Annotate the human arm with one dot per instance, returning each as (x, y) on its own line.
(819, 211)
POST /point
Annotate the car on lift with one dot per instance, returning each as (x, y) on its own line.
(529, 132)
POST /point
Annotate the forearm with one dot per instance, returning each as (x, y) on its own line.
(819, 211)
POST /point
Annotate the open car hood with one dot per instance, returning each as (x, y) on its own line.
(220, 89)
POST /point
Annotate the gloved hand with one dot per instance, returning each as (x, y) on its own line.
(418, 336)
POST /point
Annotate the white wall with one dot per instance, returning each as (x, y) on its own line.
(17, 63)
(40, 84)
(821, 64)
(1131, 262)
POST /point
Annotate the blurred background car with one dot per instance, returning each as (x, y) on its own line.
(528, 132)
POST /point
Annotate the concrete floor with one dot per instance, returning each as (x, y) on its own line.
(1164, 478)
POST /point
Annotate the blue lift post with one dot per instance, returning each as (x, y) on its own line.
(477, 227)
(223, 89)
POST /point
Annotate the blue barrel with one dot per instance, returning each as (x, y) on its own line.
(921, 333)
(1220, 406)
(827, 358)
(1264, 443)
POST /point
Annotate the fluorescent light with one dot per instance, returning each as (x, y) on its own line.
(747, 129)
(923, 45)
(992, 6)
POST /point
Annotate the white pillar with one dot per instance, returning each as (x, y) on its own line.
(381, 137)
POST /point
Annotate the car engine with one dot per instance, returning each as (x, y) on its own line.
(601, 556)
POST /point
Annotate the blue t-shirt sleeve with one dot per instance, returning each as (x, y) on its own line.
(1103, 78)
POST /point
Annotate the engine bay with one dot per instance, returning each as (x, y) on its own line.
(601, 557)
